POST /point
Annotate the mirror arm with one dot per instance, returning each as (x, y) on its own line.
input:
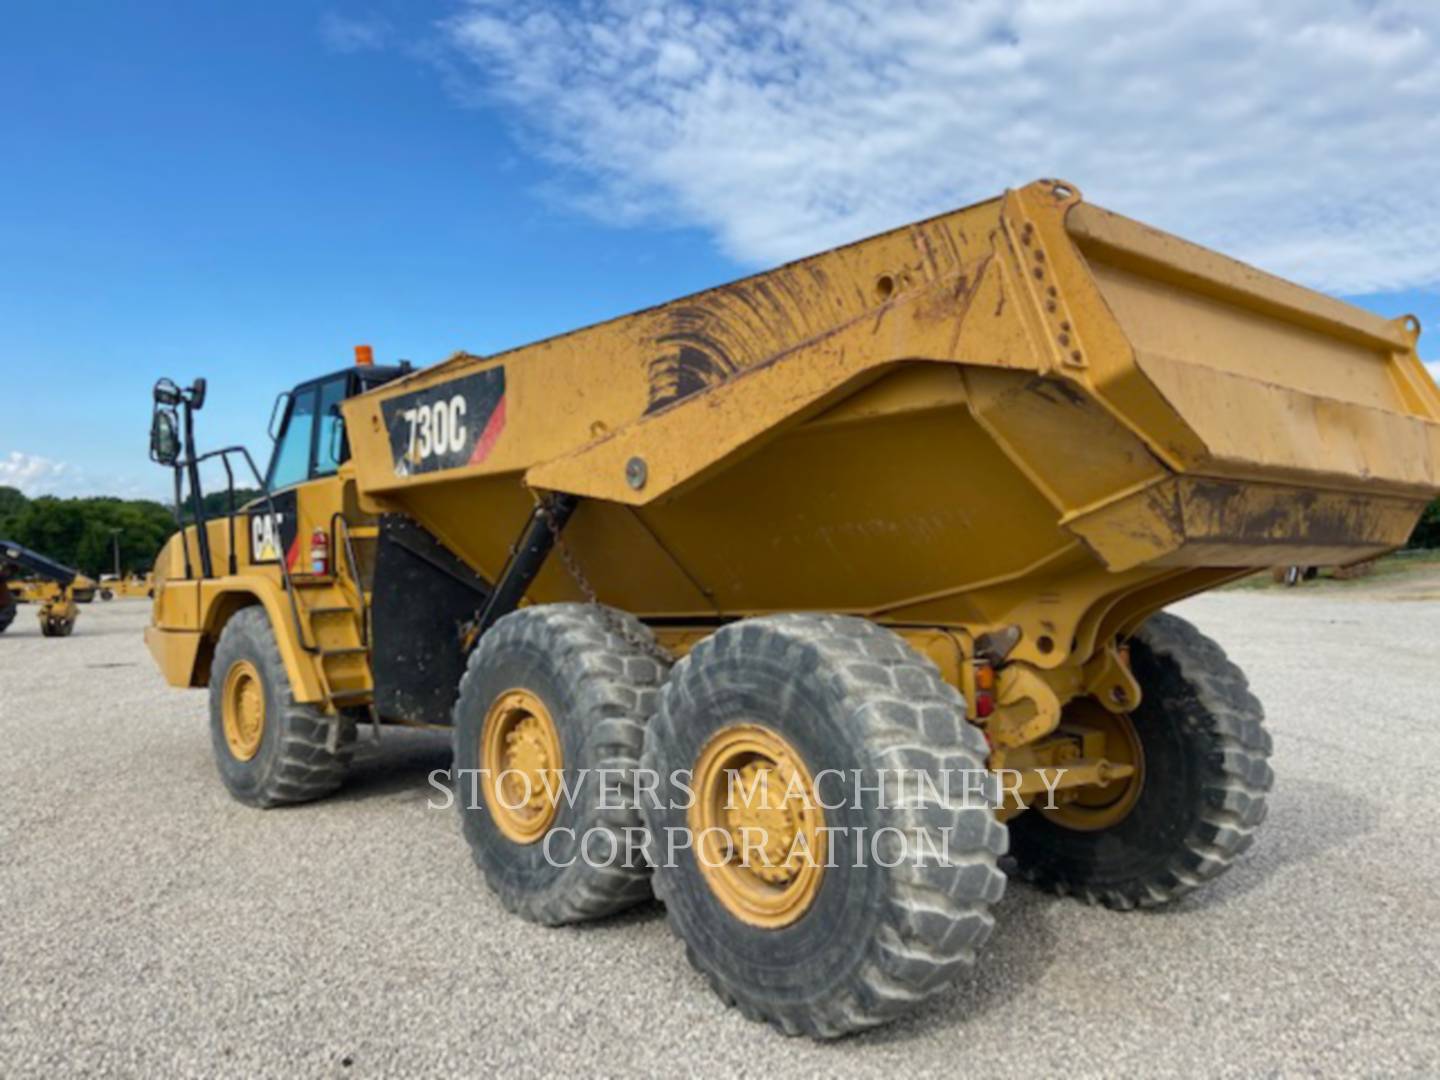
(197, 500)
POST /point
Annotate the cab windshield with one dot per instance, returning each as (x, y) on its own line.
(312, 437)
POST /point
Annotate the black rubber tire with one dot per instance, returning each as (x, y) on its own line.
(106, 594)
(875, 940)
(599, 686)
(293, 763)
(1206, 777)
(7, 616)
(57, 627)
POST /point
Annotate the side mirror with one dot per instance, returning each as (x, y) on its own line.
(197, 395)
(277, 413)
(164, 436)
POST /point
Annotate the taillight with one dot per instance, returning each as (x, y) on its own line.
(319, 552)
(984, 690)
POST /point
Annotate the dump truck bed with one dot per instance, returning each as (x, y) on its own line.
(1030, 411)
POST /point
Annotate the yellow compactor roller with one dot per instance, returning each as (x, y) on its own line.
(799, 559)
(52, 586)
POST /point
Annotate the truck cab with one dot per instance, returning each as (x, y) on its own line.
(278, 550)
(309, 431)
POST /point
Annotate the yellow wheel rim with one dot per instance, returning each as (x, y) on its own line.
(243, 713)
(758, 826)
(522, 763)
(1102, 806)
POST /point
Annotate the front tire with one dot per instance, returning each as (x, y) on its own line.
(553, 703)
(1206, 776)
(56, 625)
(269, 748)
(816, 946)
(7, 616)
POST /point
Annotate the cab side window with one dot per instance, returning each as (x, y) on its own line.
(330, 447)
(291, 463)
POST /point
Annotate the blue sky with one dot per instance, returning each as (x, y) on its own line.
(245, 191)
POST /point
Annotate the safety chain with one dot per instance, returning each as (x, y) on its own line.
(608, 614)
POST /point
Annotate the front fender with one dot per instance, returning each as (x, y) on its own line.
(222, 598)
(183, 636)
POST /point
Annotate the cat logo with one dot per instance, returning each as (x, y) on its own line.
(265, 532)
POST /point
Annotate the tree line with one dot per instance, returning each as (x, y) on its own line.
(82, 533)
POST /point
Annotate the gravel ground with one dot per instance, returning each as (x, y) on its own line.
(153, 925)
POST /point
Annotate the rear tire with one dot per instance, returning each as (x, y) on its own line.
(869, 941)
(7, 616)
(595, 687)
(1206, 776)
(291, 762)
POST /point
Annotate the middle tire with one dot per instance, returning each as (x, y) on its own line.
(548, 729)
(796, 707)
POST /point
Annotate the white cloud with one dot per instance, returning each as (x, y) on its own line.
(1300, 136)
(36, 475)
(352, 34)
(1434, 369)
(32, 474)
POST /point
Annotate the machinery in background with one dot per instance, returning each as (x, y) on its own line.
(130, 586)
(37, 590)
(58, 597)
(84, 589)
(1290, 576)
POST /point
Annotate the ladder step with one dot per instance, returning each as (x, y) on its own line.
(363, 532)
(340, 697)
(332, 609)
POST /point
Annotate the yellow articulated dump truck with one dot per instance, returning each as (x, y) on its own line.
(801, 601)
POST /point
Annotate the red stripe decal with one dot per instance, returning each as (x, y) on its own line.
(491, 434)
(294, 552)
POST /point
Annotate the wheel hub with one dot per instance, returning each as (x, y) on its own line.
(526, 764)
(243, 712)
(1102, 806)
(758, 826)
(522, 762)
(763, 807)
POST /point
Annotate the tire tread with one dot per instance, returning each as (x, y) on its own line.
(935, 916)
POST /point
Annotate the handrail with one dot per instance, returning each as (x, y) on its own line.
(344, 532)
(180, 522)
(223, 454)
(230, 480)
